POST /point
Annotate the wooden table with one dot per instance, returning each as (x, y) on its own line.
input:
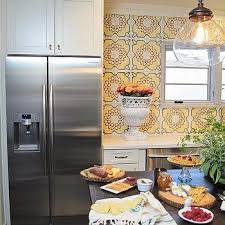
(198, 179)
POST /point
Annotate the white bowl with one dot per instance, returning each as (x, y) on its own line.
(192, 221)
(144, 184)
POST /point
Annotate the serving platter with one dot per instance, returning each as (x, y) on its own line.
(192, 221)
(169, 159)
(207, 202)
(91, 177)
(106, 188)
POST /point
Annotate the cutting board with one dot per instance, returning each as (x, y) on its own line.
(207, 202)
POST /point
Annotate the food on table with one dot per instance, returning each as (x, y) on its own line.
(181, 190)
(116, 207)
(185, 160)
(130, 180)
(99, 172)
(198, 193)
(179, 194)
(115, 171)
(102, 173)
(184, 190)
(164, 180)
(197, 214)
(119, 186)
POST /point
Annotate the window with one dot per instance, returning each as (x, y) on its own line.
(186, 83)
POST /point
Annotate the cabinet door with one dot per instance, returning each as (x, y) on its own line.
(78, 27)
(30, 27)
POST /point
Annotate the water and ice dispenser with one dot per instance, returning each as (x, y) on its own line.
(27, 132)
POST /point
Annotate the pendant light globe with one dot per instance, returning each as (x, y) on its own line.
(201, 41)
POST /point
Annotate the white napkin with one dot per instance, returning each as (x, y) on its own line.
(153, 212)
(222, 207)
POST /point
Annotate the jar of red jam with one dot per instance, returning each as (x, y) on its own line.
(164, 181)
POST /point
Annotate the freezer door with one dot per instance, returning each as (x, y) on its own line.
(75, 129)
(26, 93)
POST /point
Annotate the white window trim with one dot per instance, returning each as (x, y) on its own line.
(215, 83)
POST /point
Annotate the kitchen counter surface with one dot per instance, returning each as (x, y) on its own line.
(153, 141)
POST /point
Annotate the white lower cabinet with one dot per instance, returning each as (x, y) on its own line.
(129, 160)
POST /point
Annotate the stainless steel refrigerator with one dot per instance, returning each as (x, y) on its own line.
(54, 131)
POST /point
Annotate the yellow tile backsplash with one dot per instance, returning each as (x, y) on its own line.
(146, 55)
(151, 124)
(152, 80)
(171, 26)
(116, 54)
(113, 120)
(111, 82)
(199, 115)
(132, 53)
(175, 120)
(146, 25)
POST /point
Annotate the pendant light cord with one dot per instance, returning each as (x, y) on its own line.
(200, 3)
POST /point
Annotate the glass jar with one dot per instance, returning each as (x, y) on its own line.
(164, 181)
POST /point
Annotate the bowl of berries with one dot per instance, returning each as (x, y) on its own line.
(196, 215)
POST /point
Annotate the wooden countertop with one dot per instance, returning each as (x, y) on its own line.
(153, 141)
(198, 179)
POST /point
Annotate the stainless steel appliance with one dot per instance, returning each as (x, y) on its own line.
(54, 131)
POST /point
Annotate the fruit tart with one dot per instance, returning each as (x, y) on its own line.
(185, 160)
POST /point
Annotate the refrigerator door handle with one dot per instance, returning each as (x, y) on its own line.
(51, 143)
(44, 149)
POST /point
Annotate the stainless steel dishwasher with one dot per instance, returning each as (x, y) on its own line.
(157, 157)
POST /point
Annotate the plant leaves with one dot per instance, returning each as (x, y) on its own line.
(218, 175)
(222, 180)
(205, 167)
(213, 170)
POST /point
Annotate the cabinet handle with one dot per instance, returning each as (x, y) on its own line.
(50, 47)
(58, 46)
(121, 157)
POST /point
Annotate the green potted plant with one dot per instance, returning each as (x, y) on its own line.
(211, 139)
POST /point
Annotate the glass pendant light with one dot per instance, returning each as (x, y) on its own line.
(201, 41)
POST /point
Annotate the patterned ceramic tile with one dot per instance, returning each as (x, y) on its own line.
(199, 115)
(146, 55)
(147, 25)
(110, 84)
(132, 46)
(151, 124)
(116, 24)
(113, 120)
(172, 26)
(151, 80)
(116, 54)
(214, 35)
(175, 120)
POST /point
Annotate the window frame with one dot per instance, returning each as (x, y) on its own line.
(222, 69)
(214, 81)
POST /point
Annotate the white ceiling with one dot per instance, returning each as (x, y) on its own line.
(212, 4)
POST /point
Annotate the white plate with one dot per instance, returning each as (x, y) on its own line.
(192, 221)
(104, 187)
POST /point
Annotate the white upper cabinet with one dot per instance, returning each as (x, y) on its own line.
(60, 27)
(78, 27)
(30, 27)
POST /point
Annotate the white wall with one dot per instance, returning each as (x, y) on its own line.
(4, 196)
